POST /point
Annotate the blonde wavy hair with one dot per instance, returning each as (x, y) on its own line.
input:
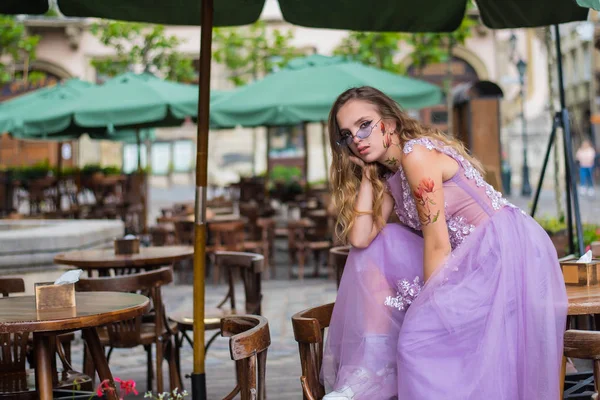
(346, 176)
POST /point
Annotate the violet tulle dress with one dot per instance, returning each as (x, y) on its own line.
(487, 325)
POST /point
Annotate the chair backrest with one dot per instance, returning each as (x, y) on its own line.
(127, 333)
(249, 267)
(248, 344)
(10, 286)
(159, 235)
(337, 260)
(184, 232)
(309, 331)
(227, 236)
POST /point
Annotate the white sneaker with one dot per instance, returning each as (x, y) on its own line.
(340, 394)
(583, 190)
(590, 192)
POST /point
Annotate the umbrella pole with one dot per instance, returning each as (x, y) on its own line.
(143, 181)
(199, 374)
(324, 139)
(305, 167)
(58, 176)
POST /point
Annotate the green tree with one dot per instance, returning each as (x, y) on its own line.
(145, 45)
(251, 52)
(16, 47)
(377, 49)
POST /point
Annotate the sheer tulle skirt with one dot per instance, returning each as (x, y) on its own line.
(487, 325)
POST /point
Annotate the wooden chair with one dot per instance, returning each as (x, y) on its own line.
(304, 238)
(309, 331)
(249, 267)
(248, 344)
(265, 245)
(152, 329)
(337, 261)
(184, 232)
(225, 236)
(16, 381)
(583, 345)
(162, 235)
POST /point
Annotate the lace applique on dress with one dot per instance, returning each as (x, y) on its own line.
(469, 170)
(406, 293)
(458, 229)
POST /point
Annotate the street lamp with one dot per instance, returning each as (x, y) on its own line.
(526, 186)
(522, 69)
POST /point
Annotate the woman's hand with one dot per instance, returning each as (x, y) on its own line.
(357, 161)
(367, 170)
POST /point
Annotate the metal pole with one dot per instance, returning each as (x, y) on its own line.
(199, 374)
(538, 190)
(571, 187)
(526, 186)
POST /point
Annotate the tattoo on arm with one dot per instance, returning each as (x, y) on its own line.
(424, 202)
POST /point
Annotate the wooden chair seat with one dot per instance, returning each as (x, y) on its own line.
(147, 333)
(322, 245)
(212, 319)
(249, 267)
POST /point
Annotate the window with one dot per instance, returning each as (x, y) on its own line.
(130, 157)
(183, 152)
(439, 117)
(161, 158)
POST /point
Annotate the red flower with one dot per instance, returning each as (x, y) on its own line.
(427, 185)
(418, 193)
(127, 386)
(387, 140)
(104, 386)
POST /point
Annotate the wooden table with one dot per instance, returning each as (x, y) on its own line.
(105, 259)
(583, 300)
(18, 314)
(209, 218)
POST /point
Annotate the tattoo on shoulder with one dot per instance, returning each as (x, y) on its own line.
(391, 161)
(424, 202)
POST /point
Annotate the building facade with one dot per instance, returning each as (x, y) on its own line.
(67, 48)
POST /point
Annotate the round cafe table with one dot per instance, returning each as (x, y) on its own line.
(18, 314)
(103, 260)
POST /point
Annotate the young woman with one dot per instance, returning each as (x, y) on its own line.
(463, 300)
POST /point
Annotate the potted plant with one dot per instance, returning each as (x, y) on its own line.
(556, 228)
(286, 182)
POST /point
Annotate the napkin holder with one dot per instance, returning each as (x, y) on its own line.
(581, 273)
(50, 296)
(127, 246)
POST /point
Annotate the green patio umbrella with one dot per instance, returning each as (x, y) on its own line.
(137, 100)
(24, 7)
(47, 114)
(46, 111)
(386, 15)
(307, 87)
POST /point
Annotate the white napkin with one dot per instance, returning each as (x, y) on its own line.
(129, 237)
(69, 277)
(586, 258)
